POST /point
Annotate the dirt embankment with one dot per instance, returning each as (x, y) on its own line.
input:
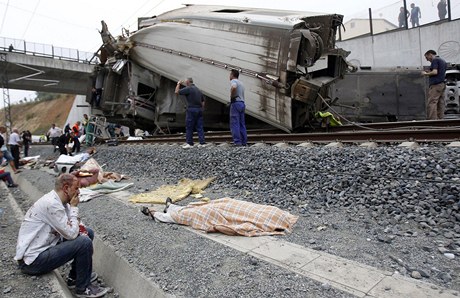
(37, 117)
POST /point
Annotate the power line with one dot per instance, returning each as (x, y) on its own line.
(4, 15)
(135, 23)
(134, 14)
(156, 6)
(30, 19)
(61, 21)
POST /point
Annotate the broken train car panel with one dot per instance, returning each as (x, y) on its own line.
(285, 58)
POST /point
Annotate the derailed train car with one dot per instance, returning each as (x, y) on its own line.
(287, 61)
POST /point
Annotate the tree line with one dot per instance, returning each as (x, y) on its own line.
(40, 96)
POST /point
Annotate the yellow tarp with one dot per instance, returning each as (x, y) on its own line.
(177, 192)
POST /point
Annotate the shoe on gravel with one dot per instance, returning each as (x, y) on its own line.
(168, 202)
(92, 291)
(71, 282)
(187, 146)
(13, 185)
(146, 211)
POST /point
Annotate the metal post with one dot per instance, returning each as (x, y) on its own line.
(449, 12)
(78, 56)
(52, 51)
(370, 22)
(405, 15)
(25, 49)
(6, 96)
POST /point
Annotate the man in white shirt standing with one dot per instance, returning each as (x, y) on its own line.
(51, 235)
(54, 133)
(15, 143)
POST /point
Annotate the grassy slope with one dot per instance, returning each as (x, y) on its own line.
(38, 116)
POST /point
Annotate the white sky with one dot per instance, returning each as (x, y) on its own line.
(75, 24)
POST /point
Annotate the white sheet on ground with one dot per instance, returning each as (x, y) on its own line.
(88, 194)
(96, 190)
(66, 159)
(110, 186)
(36, 157)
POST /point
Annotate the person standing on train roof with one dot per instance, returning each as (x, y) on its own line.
(237, 109)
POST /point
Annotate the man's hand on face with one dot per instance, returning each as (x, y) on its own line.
(75, 200)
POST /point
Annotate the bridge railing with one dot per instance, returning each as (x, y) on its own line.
(399, 16)
(46, 50)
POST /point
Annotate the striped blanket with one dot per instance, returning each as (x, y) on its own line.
(234, 217)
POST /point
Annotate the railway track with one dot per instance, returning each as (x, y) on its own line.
(386, 132)
(416, 131)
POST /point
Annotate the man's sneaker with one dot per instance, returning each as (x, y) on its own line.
(203, 145)
(187, 146)
(92, 291)
(71, 282)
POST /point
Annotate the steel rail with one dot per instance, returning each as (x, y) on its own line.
(416, 134)
(425, 135)
(399, 125)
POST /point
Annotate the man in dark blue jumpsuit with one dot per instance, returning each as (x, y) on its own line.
(194, 116)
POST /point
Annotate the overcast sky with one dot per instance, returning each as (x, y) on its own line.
(75, 24)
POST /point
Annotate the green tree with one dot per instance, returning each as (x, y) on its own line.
(46, 96)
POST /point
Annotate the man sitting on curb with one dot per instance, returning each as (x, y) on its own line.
(51, 235)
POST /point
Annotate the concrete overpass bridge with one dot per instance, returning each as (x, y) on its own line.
(40, 67)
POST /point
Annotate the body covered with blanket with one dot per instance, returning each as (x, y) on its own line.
(232, 217)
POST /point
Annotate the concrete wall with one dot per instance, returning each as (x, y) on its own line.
(358, 27)
(405, 48)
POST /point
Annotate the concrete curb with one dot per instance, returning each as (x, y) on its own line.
(117, 272)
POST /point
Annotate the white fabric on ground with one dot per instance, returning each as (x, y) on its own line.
(166, 217)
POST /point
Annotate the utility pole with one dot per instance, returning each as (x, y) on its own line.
(6, 94)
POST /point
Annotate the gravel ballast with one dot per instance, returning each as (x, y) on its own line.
(392, 208)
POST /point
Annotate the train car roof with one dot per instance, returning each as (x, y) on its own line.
(232, 14)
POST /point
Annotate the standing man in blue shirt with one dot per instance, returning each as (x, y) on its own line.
(194, 116)
(436, 76)
(237, 108)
